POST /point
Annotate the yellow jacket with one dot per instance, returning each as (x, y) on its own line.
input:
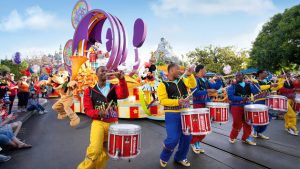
(190, 82)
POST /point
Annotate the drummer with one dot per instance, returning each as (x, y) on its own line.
(172, 94)
(290, 118)
(100, 104)
(238, 95)
(265, 86)
(200, 98)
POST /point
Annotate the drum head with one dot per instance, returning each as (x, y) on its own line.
(277, 96)
(256, 107)
(196, 111)
(125, 129)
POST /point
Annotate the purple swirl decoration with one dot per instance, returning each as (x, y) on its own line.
(90, 29)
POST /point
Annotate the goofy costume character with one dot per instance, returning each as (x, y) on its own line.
(200, 98)
(238, 95)
(100, 103)
(170, 95)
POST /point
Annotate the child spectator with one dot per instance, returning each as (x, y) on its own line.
(34, 105)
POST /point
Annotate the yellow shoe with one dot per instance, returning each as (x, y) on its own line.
(163, 163)
(185, 163)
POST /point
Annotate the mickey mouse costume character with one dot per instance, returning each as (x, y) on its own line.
(100, 103)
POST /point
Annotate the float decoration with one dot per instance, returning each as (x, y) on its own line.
(80, 9)
(67, 53)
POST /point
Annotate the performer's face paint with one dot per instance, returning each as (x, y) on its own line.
(101, 73)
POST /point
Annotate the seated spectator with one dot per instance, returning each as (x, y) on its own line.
(7, 136)
(33, 105)
(4, 158)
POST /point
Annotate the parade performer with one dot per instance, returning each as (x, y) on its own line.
(290, 118)
(266, 87)
(100, 103)
(200, 97)
(61, 82)
(238, 95)
(172, 95)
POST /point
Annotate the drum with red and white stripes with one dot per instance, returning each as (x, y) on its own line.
(124, 141)
(196, 121)
(277, 103)
(218, 111)
(297, 104)
(256, 114)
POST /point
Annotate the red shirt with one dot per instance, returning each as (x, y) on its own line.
(13, 92)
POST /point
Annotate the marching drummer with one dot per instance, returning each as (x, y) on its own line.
(172, 94)
(265, 86)
(200, 98)
(290, 118)
(100, 104)
(238, 95)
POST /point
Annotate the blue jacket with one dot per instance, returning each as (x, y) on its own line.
(201, 95)
(238, 100)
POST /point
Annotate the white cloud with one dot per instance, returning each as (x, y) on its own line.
(242, 41)
(34, 18)
(167, 7)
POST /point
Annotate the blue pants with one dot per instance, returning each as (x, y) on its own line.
(175, 136)
(37, 107)
(261, 129)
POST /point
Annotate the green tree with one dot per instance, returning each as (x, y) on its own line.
(278, 44)
(215, 58)
(14, 68)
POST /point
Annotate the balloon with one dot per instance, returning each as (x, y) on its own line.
(227, 69)
(26, 72)
(17, 58)
(35, 69)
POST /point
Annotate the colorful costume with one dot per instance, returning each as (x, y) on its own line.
(236, 94)
(169, 93)
(200, 97)
(290, 118)
(95, 100)
(265, 87)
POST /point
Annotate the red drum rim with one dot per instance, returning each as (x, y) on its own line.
(198, 133)
(124, 158)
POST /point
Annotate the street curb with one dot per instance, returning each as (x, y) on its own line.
(29, 114)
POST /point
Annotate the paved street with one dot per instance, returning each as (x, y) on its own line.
(57, 146)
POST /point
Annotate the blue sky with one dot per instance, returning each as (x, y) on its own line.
(40, 26)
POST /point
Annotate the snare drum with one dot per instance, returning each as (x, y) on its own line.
(277, 103)
(297, 104)
(218, 111)
(124, 141)
(196, 121)
(256, 114)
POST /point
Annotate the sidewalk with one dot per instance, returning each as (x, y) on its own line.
(23, 116)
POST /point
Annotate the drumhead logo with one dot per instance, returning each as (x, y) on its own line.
(195, 119)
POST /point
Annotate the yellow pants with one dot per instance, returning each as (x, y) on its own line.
(96, 155)
(290, 118)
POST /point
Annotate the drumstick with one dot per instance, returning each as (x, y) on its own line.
(109, 105)
(191, 94)
(253, 83)
(286, 77)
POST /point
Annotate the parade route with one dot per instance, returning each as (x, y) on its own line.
(57, 146)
